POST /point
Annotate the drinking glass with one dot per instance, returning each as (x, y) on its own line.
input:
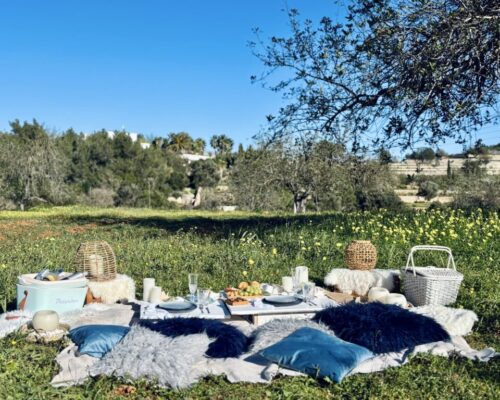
(308, 290)
(203, 298)
(193, 285)
(296, 281)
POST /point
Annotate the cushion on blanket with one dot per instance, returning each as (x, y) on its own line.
(97, 340)
(382, 328)
(229, 341)
(317, 354)
(275, 330)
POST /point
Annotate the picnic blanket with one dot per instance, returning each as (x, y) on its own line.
(191, 365)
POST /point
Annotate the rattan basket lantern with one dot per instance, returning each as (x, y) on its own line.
(361, 254)
(97, 259)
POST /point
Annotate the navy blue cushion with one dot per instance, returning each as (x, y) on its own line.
(317, 354)
(382, 328)
(97, 340)
(229, 341)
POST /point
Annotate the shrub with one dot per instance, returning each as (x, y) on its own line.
(7, 204)
(375, 199)
(428, 189)
(102, 197)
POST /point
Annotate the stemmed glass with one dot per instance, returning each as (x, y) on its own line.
(203, 298)
(193, 285)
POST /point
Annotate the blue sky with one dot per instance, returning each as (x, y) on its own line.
(151, 66)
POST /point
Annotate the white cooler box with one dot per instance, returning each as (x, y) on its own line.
(60, 296)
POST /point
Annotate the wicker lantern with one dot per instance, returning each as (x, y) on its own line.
(361, 254)
(97, 259)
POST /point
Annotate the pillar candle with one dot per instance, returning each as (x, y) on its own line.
(287, 283)
(147, 285)
(96, 264)
(155, 295)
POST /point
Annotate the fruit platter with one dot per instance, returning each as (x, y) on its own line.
(244, 292)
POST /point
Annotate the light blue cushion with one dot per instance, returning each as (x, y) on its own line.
(97, 340)
(317, 354)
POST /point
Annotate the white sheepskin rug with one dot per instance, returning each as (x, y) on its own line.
(456, 321)
(147, 354)
(359, 282)
(122, 287)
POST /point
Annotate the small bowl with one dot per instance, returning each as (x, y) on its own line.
(377, 293)
(396, 299)
(45, 320)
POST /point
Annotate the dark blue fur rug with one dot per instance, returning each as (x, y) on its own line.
(229, 341)
(382, 328)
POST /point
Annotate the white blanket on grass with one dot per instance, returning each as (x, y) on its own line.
(253, 368)
(109, 314)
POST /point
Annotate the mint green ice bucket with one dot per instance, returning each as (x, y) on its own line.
(59, 299)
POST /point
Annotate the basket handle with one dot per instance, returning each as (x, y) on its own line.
(414, 249)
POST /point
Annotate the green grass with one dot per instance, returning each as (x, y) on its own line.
(221, 247)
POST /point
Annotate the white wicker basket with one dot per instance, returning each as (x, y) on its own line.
(431, 285)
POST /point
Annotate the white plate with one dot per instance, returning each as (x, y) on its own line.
(177, 305)
(281, 299)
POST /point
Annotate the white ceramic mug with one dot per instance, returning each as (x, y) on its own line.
(45, 320)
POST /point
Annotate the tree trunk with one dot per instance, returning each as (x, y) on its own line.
(197, 197)
(299, 203)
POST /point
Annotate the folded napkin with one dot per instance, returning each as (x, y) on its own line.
(258, 303)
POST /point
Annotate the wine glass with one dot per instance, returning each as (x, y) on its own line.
(193, 285)
(203, 298)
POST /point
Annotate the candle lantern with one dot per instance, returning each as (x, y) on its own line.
(97, 260)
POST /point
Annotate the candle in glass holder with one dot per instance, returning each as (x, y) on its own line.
(302, 274)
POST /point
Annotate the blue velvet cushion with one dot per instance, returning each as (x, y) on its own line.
(229, 341)
(97, 340)
(382, 328)
(317, 354)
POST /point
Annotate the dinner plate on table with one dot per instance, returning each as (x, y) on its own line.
(282, 301)
(177, 307)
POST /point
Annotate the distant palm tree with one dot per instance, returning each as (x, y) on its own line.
(180, 142)
(199, 146)
(222, 144)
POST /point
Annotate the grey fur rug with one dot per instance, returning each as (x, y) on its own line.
(147, 354)
(180, 362)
